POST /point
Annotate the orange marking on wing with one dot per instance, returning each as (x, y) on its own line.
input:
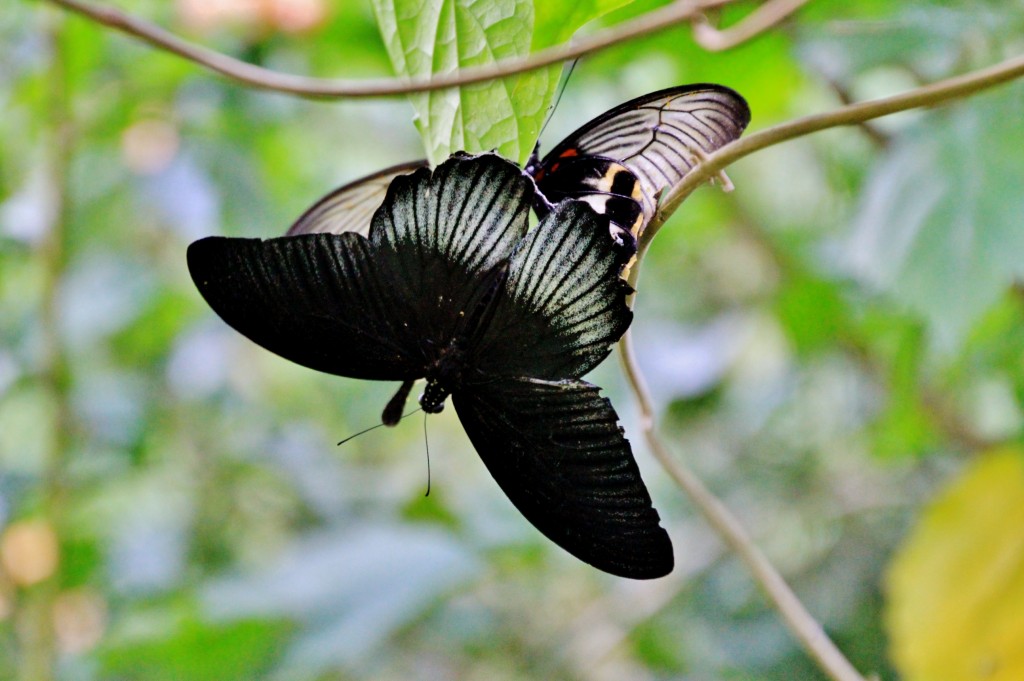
(569, 152)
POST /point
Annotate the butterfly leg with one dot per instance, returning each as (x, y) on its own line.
(393, 411)
(699, 156)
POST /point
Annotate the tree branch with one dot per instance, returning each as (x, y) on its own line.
(757, 22)
(796, 617)
(855, 114)
(794, 614)
(675, 13)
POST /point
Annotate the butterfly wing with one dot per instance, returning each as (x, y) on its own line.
(558, 453)
(351, 207)
(376, 308)
(451, 231)
(652, 137)
(320, 300)
(563, 305)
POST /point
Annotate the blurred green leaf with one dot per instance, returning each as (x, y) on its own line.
(352, 589)
(904, 427)
(812, 311)
(938, 229)
(147, 338)
(424, 509)
(199, 651)
(929, 38)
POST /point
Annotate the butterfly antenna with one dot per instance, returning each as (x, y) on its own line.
(558, 97)
(426, 443)
(367, 430)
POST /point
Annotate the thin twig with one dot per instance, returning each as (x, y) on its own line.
(678, 12)
(855, 114)
(878, 138)
(757, 22)
(806, 629)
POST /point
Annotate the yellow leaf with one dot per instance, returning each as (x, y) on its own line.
(956, 588)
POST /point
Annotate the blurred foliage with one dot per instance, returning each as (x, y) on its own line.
(829, 344)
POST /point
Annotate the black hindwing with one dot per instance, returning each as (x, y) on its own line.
(557, 451)
(563, 305)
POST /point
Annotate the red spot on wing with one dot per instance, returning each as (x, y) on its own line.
(569, 152)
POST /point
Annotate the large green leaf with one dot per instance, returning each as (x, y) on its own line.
(939, 226)
(557, 21)
(443, 36)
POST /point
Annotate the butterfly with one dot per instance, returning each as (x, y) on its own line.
(619, 162)
(448, 285)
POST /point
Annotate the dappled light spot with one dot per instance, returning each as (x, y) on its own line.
(29, 551)
(79, 620)
(148, 146)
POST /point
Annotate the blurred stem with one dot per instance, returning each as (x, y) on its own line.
(800, 622)
(854, 114)
(36, 642)
(878, 138)
(762, 19)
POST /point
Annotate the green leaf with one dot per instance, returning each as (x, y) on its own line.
(444, 36)
(938, 229)
(557, 21)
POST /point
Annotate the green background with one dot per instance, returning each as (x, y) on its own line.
(826, 345)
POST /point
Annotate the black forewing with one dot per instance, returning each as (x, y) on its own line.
(449, 231)
(349, 208)
(653, 135)
(375, 308)
(319, 300)
(563, 304)
(557, 451)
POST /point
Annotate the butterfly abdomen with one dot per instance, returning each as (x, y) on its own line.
(606, 185)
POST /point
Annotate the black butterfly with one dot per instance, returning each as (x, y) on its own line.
(619, 162)
(448, 285)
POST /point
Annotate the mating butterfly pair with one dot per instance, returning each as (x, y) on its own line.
(445, 282)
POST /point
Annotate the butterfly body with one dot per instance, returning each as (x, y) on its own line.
(657, 137)
(450, 286)
(605, 184)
